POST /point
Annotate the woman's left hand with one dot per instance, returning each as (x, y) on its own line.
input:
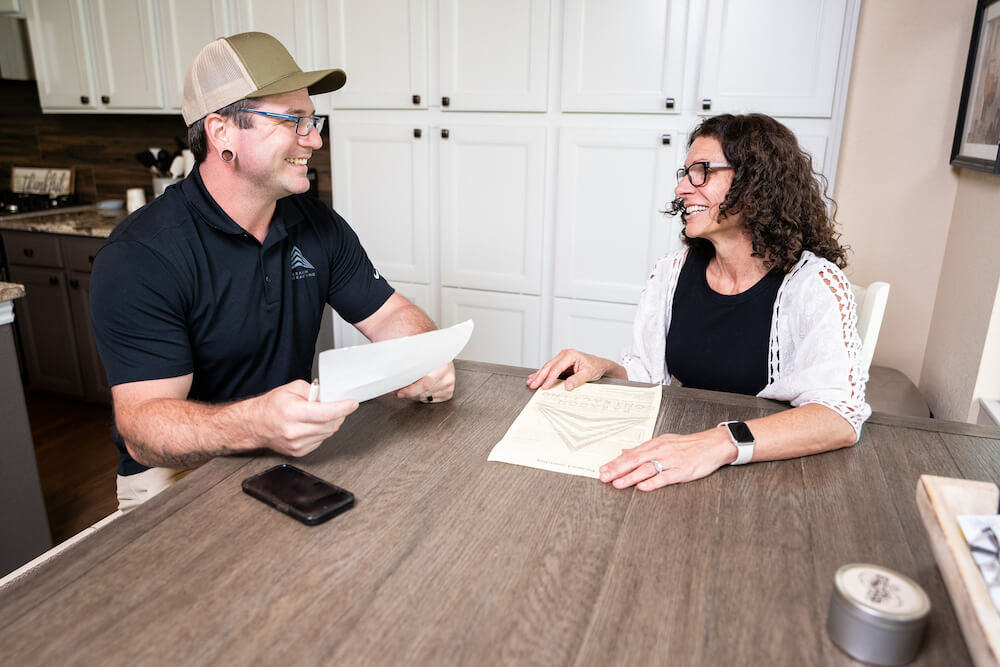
(683, 458)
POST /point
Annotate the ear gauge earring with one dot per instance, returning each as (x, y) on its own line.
(227, 155)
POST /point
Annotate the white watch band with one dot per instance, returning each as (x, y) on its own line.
(744, 450)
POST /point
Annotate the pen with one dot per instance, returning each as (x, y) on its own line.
(314, 391)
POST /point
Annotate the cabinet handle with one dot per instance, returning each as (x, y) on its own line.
(670, 103)
(53, 280)
(84, 99)
(105, 99)
(74, 283)
(444, 134)
(29, 252)
(445, 101)
(416, 99)
(706, 105)
(665, 139)
(417, 133)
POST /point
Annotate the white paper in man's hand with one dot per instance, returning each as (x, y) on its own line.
(367, 371)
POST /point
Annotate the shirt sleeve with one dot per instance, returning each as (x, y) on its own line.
(357, 289)
(820, 355)
(137, 311)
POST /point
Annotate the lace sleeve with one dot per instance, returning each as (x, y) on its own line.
(815, 350)
(644, 358)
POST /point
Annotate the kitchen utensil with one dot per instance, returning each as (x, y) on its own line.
(177, 166)
(188, 161)
(135, 198)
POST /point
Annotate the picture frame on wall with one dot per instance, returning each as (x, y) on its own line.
(977, 132)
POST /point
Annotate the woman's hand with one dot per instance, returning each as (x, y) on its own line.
(683, 458)
(586, 367)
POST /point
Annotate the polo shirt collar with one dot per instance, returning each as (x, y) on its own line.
(208, 210)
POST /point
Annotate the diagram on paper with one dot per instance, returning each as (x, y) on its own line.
(576, 432)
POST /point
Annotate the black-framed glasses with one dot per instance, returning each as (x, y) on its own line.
(697, 172)
(303, 124)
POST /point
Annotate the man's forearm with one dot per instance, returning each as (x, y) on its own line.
(176, 433)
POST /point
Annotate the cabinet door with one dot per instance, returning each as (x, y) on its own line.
(380, 187)
(181, 38)
(127, 55)
(345, 335)
(494, 55)
(604, 329)
(777, 57)
(625, 56)
(506, 325)
(94, 379)
(613, 183)
(60, 48)
(289, 21)
(492, 207)
(383, 48)
(43, 316)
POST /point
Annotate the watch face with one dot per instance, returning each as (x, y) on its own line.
(741, 432)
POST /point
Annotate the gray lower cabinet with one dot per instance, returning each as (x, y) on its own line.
(53, 317)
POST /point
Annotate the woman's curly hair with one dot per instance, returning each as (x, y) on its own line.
(775, 189)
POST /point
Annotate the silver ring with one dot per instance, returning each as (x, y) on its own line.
(657, 465)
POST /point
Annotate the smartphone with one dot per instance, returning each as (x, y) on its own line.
(298, 494)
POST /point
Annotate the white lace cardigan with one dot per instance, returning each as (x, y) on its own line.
(814, 352)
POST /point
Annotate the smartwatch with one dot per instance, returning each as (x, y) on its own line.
(741, 436)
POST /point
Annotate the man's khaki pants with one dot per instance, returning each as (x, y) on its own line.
(134, 490)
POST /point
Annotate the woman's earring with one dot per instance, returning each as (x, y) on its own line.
(227, 155)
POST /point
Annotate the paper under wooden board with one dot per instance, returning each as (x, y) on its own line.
(576, 432)
(366, 371)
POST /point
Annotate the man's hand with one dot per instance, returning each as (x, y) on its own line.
(291, 424)
(435, 387)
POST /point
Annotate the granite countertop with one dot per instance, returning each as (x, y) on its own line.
(74, 220)
(10, 291)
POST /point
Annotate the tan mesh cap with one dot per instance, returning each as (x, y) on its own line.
(250, 64)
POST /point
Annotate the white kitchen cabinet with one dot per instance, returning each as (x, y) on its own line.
(345, 335)
(381, 189)
(383, 49)
(506, 325)
(290, 21)
(491, 193)
(604, 329)
(126, 54)
(494, 55)
(60, 47)
(185, 27)
(625, 56)
(613, 183)
(778, 57)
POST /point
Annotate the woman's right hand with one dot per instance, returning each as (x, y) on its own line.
(586, 367)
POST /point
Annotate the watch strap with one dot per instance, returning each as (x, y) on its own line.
(744, 450)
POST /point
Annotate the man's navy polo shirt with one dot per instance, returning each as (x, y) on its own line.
(180, 288)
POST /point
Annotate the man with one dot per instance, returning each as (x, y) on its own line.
(207, 302)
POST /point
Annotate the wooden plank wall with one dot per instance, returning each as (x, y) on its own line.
(101, 147)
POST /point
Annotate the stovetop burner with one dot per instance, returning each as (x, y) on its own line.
(12, 203)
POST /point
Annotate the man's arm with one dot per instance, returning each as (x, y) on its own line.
(187, 433)
(398, 317)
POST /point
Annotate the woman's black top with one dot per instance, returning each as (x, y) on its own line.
(718, 341)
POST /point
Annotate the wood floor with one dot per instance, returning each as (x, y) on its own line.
(76, 461)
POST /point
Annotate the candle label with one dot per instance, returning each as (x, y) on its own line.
(883, 591)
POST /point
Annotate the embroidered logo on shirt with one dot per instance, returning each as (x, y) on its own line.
(377, 276)
(301, 268)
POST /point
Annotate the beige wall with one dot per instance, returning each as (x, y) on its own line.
(895, 188)
(954, 363)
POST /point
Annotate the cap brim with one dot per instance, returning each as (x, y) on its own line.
(318, 82)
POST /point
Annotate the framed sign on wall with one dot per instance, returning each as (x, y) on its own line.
(977, 133)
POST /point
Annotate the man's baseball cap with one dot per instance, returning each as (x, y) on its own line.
(250, 64)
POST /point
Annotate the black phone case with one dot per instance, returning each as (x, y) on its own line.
(251, 487)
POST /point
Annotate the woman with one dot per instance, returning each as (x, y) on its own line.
(756, 303)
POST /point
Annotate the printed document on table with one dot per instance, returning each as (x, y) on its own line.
(576, 432)
(366, 371)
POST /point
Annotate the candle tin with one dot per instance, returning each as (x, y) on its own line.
(877, 615)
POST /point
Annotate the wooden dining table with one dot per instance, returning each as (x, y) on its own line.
(449, 559)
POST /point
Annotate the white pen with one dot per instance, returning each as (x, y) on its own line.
(314, 391)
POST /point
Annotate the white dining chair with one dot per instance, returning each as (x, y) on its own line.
(871, 302)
